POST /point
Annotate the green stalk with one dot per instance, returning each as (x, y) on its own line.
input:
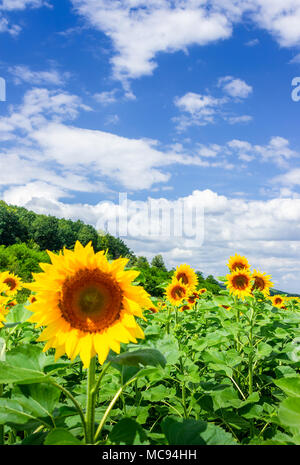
(1, 426)
(90, 402)
(110, 407)
(168, 320)
(250, 368)
(183, 391)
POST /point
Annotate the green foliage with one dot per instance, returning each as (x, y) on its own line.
(186, 383)
(115, 246)
(11, 229)
(209, 283)
(158, 262)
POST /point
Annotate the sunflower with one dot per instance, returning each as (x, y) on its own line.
(87, 304)
(187, 276)
(153, 309)
(202, 291)
(239, 283)
(238, 263)
(261, 282)
(191, 299)
(3, 302)
(185, 307)
(177, 292)
(13, 282)
(161, 305)
(277, 301)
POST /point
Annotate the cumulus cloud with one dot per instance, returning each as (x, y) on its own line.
(202, 109)
(235, 87)
(42, 117)
(140, 29)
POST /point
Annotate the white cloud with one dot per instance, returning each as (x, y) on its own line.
(252, 43)
(291, 178)
(196, 103)
(23, 73)
(203, 109)
(13, 30)
(234, 87)
(140, 29)
(105, 98)
(266, 231)
(9, 5)
(277, 151)
(239, 119)
(135, 163)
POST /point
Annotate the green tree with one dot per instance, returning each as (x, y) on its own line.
(159, 262)
(67, 233)
(11, 230)
(46, 233)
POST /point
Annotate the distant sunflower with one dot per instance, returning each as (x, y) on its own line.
(187, 276)
(11, 303)
(261, 282)
(161, 305)
(191, 299)
(87, 304)
(13, 282)
(153, 309)
(185, 307)
(277, 301)
(202, 291)
(239, 283)
(3, 303)
(32, 298)
(176, 292)
(238, 262)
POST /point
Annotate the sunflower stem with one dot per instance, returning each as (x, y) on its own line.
(110, 407)
(90, 402)
(1, 426)
(168, 320)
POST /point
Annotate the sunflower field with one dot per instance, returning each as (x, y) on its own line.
(92, 358)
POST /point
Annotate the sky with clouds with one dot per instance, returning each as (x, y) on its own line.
(182, 102)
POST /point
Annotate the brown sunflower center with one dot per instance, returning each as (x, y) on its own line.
(11, 283)
(178, 292)
(238, 266)
(259, 283)
(183, 277)
(240, 281)
(90, 300)
(278, 301)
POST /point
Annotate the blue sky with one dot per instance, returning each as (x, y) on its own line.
(182, 100)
